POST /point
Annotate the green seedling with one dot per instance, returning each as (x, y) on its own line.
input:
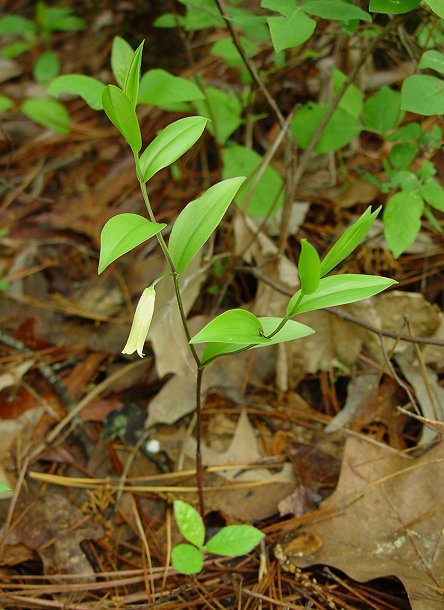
(21, 35)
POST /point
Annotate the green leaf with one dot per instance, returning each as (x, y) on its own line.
(233, 326)
(352, 100)
(290, 31)
(335, 9)
(340, 130)
(189, 523)
(121, 57)
(423, 94)
(339, 290)
(201, 14)
(122, 233)
(5, 103)
(433, 194)
(162, 89)
(186, 559)
(54, 18)
(427, 170)
(4, 488)
(14, 49)
(168, 20)
(225, 112)
(433, 221)
(49, 113)
(291, 331)
(402, 220)
(348, 241)
(132, 77)
(392, 7)
(46, 67)
(226, 49)
(15, 24)
(407, 181)
(406, 133)
(433, 60)
(268, 195)
(285, 7)
(309, 268)
(122, 115)
(402, 154)
(88, 88)
(382, 111)
(234, 540)
(199, 219)
(437, 7)
(170, 144)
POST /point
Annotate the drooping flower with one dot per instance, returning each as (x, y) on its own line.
(141, 322)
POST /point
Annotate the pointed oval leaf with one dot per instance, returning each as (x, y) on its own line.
(46, 67)
(122, 233)
(408, 206)
(290, 31)
(121, 57)
(309, 268)
(122, 115)
(382, 110)
(432, 59)
(199, 219)
(170, 144)
(348, 241)
(189, 523)
(335, 9)
(392, 7)
(339, 290)
(291, 331)
(234, 326)
(437, 7)
(234, 540)
(186, 559)
(433, 193)
(423, 94)
(88, 88)
(49, 113)
(162, 89)
(5, 103)
(132, 78)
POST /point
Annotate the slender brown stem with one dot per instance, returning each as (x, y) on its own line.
(199, 464)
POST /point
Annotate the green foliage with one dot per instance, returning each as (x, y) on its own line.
(423, 94)
(4, 488)
(392, 7)
(236, 326)
(199, 219)
(49, 113)
(382, 111)
(122, 233)
(234, 540)
(223, 109)
(162, 89)
(399, 234)
(187, 559)
(291, 30)
(121, 57)
(88, 88)
(189, 523)
(432, 59)
(46, 67)
(120, 111)
(132, 77)
(335, 9)
(5, 103)
(309, 268)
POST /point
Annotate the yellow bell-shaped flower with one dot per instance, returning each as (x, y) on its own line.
(141, 322)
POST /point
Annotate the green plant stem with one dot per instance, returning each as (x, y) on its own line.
(200, 368)
(280, 326)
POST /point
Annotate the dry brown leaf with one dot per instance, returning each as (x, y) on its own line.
(384, 519)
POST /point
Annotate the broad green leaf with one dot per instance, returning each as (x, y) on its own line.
(335, 9)
(433, 60)
(121, 57)
(4, 488)
(348, 241)
(392, 7)
(288, 32)
(58, 19)
(168, 20)
(132, 78)
(5, 103)
(405, 180)
(15, 24)
(433, 194)
(437, 7)
(402, 154)
(49, 113)
(406, 133)
(88, 88)
(352, 100)
(186, 559)
(170, 144)
(233, 326)
(427, 170)
(268, 195)
(162, 89)
(46, 67)
(309, 268)
(423, 94)
(199, 219)
(285, 7)
(122, 115)
(234, 540)
(340, 130)
(201, 14)
(224, 111)
(402, 220)
(122, 233)
(339, 290)
(291, 331)
(382, 111)
(14, 49)
(189, 523)
(226, 49)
